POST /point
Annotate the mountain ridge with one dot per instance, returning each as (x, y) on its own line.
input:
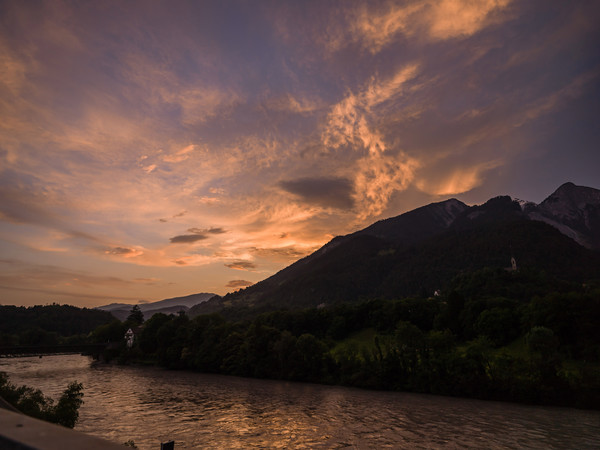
(421, 250)
(169, 305)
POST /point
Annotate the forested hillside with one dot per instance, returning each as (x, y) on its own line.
(49, 324)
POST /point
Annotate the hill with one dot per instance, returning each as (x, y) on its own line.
(49, 324)
(167, 306)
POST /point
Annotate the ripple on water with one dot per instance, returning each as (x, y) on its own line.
(209, 411)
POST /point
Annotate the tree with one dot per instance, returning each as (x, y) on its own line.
(34, 403)
(136, 316)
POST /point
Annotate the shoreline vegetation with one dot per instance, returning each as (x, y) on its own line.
(522, 336)
(494, 335)
(32, 402)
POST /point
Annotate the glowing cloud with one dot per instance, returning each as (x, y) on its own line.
(444, 19)
(379, 173)
(457, 181)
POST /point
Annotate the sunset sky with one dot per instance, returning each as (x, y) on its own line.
(156, 149)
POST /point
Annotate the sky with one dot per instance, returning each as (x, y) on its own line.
(154, 149)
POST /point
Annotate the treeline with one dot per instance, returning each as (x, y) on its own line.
(537, 342)
(49, 324)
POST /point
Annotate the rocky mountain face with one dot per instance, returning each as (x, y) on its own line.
(574, 211)
(422, 250)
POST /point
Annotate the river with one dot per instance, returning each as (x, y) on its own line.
(151, 405)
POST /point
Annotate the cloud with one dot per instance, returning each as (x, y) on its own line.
(374, 28)
(294, 104)
(198, 234)
(53, 293)
(180, 155)
(55, 281)
(174, 216)
(326, 192)
(457, 181)
(212, 230)
(380, 171)
(120, 251)
(187, 238)
(239, 284)
(241, 265)
(287, 253)
(448, 19)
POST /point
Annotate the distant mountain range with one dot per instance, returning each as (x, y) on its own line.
(167, 306)
(421, 251)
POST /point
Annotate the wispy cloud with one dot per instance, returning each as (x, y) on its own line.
(239, 284)
(380, 171)
(241, 265)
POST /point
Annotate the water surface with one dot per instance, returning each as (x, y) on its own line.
(151, 405)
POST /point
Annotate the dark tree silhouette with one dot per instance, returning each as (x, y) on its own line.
(136, 315)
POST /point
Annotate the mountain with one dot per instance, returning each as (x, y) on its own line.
(575, 211)
(167, 306)
(123, 313)
(421, 251)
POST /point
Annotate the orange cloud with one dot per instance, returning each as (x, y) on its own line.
(380, 172)
(457, 181)
(455, 18)
(439, 20)
(180, 155)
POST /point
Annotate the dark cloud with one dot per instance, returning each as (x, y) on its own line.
(212, 230)
(328, 192)
(181, 214)
(187, 238)
(198, 234)
(241, 265)
(239, 284)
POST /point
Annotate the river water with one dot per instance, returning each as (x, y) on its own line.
(151, 405)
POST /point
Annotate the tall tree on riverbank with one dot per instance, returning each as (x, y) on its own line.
(136, 316)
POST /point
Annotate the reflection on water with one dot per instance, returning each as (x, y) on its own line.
(151, 405)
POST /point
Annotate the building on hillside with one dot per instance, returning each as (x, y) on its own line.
(129, 338)
(513, 265)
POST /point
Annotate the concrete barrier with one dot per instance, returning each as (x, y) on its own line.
(21, 432)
